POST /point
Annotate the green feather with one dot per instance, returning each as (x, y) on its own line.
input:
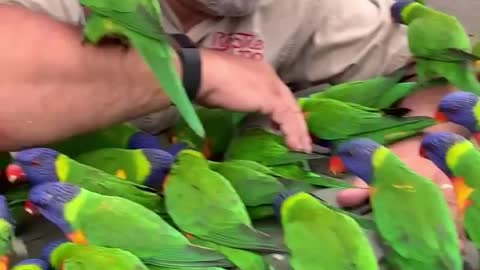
(244, 260)
(320, 237)
(70, 256)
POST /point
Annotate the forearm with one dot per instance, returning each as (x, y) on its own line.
(424, 103)
(52, 86)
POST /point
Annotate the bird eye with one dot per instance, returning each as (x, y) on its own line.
(349, 153)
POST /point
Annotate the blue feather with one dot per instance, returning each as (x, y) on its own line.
(279, 200)
(160, 161)
(50, 247)
(141, 140)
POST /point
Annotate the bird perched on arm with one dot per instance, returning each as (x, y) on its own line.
(439, 43)
(139, 21)
(458, 158)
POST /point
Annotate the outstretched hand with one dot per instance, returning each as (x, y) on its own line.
(245, 85)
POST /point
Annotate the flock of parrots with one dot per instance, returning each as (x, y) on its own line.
(125, 203)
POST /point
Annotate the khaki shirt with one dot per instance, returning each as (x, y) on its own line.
(304, 40)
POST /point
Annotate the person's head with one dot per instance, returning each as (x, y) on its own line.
(229, 8)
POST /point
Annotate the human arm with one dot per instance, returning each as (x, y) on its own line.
(53, 86)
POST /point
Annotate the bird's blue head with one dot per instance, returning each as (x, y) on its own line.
(459, 108)
(50, 248)
(160, 162)
(397, 8)
(5, 211)
(50, 199)
(279, 200)
(356, 157)
(32, 264)
(38, 164)
(141, 140)
(435, 147)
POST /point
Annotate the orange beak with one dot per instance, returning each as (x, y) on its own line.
(4, 263)
(477, 137)
(440, 117)
(172, 139)
(423, 153)
(30, 208)
(336, 165)
(15, 173)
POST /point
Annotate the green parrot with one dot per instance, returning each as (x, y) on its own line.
(116, 136)
(269, 149)
(319, 238)
(379, 92)
(410, 211)
(64, 255)
(255, 184)
(219, 127)
(439, 43)
(204, 204)
(146, 167)
(139, 21)
(458, 158)
(265, 147)
(33, 264)
(7, 232)
(43, 165)
(87, 217)
(333, 122)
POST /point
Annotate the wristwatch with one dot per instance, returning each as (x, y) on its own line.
(191, 64)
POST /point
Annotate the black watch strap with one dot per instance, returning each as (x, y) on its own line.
(191, 63)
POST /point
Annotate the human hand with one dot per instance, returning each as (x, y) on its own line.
(245, 85)
(407, 151)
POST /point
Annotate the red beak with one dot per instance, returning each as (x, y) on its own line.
(15, 173)
(336, 165)
(440, 117)
(423, 153)
(477, 137)
(30, 208)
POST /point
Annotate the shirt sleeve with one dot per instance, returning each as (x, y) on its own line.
(68, 11)
(348, 40)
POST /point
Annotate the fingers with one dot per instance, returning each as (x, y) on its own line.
(353, 197)
(287, 114)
